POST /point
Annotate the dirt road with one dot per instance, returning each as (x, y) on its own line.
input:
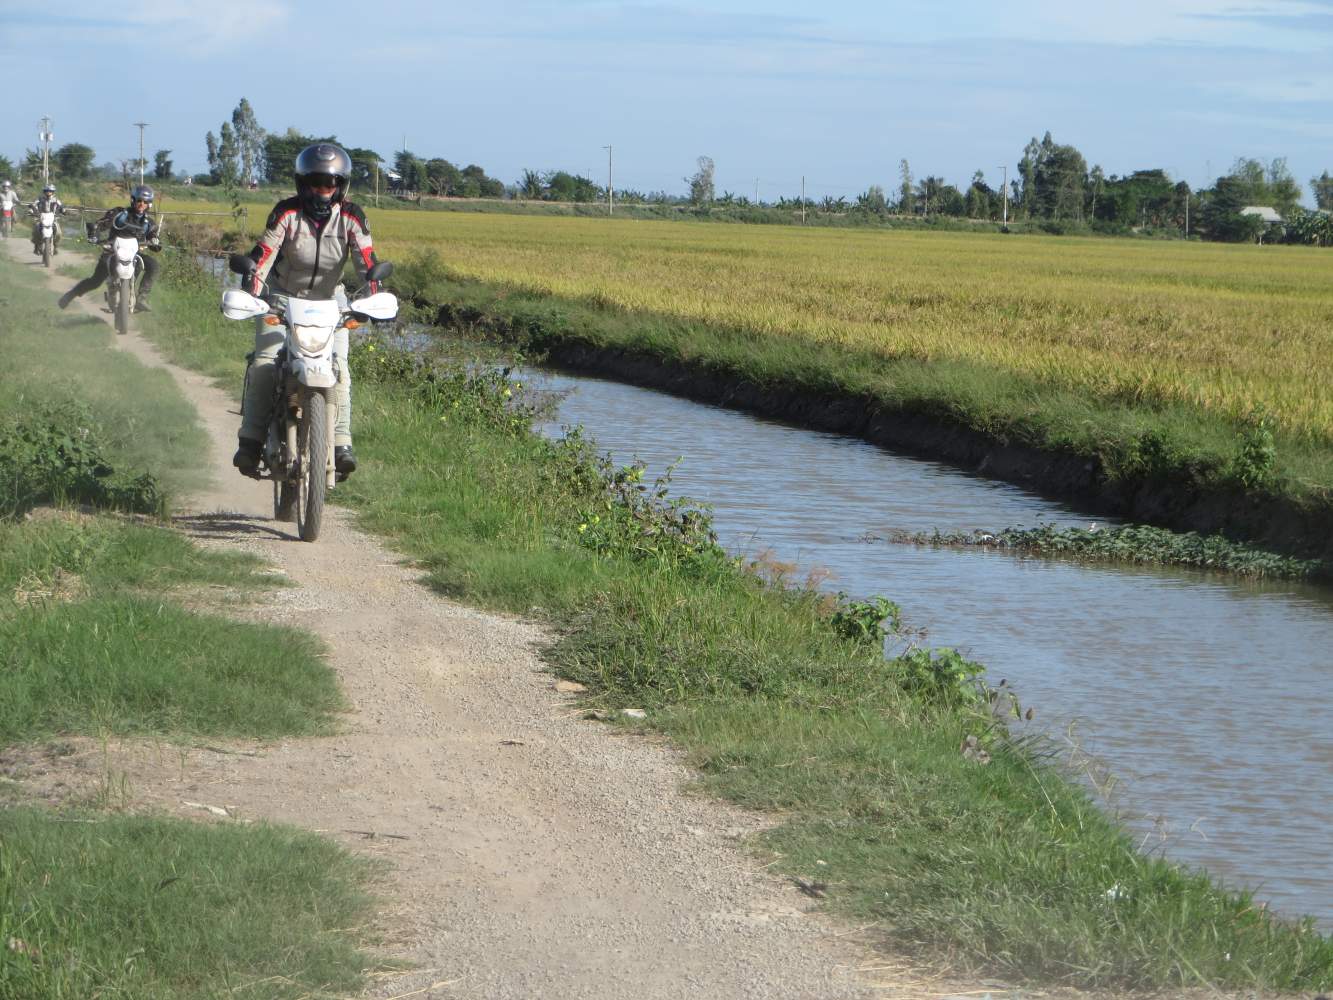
(533, 853)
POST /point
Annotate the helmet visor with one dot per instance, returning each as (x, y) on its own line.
(321, 182)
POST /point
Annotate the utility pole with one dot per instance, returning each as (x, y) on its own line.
(1004, 190)
(141, 127)
(803, 199)
(45, 135)
(610, 191)
(756, 190)
(377, 182)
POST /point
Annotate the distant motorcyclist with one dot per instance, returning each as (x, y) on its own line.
(132, 221)
(306, 244)
(48, 202)
(9, 198)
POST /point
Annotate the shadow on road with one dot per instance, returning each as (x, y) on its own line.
(229, 524)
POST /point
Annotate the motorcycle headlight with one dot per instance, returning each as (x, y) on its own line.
(312, 339)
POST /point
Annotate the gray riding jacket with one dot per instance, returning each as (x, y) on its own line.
(307, 259)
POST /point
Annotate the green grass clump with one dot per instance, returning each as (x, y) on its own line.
(70, 403)
(130, 665)
(160, 909)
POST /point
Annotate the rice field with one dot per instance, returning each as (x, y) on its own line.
(1230, 329)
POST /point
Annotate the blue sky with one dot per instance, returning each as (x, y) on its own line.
(837, 91)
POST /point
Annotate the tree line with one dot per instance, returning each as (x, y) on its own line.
(1052, 188)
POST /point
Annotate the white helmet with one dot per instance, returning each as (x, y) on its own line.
(5, 184)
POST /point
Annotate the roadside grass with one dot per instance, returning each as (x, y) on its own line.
(1008, 864)
(157, 909)
(94, 640)
(62, 361)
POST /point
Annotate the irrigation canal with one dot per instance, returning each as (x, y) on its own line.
(1202, 697)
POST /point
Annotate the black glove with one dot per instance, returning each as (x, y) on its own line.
(155, 246)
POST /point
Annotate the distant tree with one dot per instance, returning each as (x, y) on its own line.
(249, 138)
(701, 184)
(872, 201)
(530, 185)
(229, 155)
(1060, 176)
(443, 178)
(214, 169)
(162, 165)
(937, 196)
(412, 169)
(1096, 188)
(561, 185)
(365, 162)
(1222, 218)
(1310, 227)
(1144, 198)
(979, 202)
(1183, 197)
(906, 194)
(1270, 185)
(32, 163)
(7, 171)
(1027, 174)
(1323, 191)
(73, 161)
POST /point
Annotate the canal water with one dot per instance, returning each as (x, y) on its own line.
(1195, 702)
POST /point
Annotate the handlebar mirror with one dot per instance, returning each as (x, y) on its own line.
(380, 271)
(242, 264)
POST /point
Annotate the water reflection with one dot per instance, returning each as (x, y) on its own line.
(1202, 694)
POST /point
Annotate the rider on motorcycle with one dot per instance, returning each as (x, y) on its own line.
(132, 221)
(48, 202)
(9, 196)
(306, 243)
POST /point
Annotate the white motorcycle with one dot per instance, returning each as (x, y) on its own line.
(46, 223)
(298, 453)
(123, 268)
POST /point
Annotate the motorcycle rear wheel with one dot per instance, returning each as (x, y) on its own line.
(312, 442)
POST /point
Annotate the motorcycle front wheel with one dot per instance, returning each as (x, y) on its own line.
(312, 443)
(123, 306)
(46, 253)
(284, 500)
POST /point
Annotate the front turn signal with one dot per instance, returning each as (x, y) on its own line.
(273, 320)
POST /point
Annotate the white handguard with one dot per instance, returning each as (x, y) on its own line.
(240, 304)
(380, 306)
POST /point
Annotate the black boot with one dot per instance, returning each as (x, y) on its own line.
(66, 299)
(141, 306)
(344, 461)
(247, 457)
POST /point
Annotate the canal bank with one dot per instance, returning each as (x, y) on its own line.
(1158, 463)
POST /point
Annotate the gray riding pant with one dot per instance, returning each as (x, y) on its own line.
(261, 382)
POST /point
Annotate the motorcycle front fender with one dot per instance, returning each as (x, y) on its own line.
(316, 373)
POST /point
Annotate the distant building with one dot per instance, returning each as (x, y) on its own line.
(1268, 215)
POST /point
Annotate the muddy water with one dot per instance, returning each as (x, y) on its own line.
(1205, 698)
